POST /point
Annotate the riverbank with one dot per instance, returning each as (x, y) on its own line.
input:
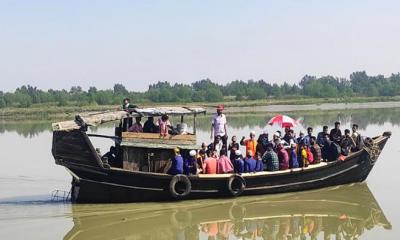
(51, 112)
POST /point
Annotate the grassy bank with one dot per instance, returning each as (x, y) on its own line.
(52, 111)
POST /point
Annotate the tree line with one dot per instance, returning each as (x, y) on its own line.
(358, 84)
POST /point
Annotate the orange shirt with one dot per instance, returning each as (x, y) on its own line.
(210, 165)
(251, 145)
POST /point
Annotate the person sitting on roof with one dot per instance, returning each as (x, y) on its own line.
(137, 126)
(251, 143)
(190, 164)
(127, 106)
(164, 125)
(210, 164)
(149, 126)
(224, 163)
(177, 163)
(250, 164)
(238, 162)
(270, 159)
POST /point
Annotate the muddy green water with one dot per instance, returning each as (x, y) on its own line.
(28, 175)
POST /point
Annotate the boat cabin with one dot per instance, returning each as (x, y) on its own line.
(143, 151)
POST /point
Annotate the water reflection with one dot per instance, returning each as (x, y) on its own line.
(345, 212)
(363, 117)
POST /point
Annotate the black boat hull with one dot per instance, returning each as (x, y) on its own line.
(92, 183)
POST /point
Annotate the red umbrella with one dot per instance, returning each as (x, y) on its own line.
(283, 120)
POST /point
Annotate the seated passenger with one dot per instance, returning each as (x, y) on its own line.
(289, 137)
(137, 126)
(331, 150)
(190, 164)
(164, 125)
(149, 126)
(177, 163)
(218, 144)
(315, 150)
(347, 143)
(270, 159)
(276, 139)
(320, 136)
(303, 155)
(200, 159)
(210, 164)
(224, 163)
(357, 138)
(300, 139)
(233, 146)
(250, 164)
(181, 129)
(112, 157)
(293, 162)
(238, 162)
(307, 139)
(283, 157)
(262, 144)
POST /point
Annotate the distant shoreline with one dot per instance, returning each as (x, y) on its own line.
(50, 112)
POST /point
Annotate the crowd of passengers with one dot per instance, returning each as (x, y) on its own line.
(264, 154)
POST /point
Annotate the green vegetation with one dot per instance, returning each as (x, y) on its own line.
(358, 86)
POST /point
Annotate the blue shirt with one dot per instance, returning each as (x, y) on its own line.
(250, 164)
(307, 140)
(189, 166)
(177, 165)
(293, 163)
(239, 165)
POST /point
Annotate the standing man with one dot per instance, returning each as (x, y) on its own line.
(219, 126)
(336, 134)
(320, 136)
(307, 139)
(251, 143)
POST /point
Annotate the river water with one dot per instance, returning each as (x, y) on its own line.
(369, 210)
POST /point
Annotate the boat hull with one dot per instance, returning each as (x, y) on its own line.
(95, 184)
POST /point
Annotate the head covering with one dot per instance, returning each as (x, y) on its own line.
(276, 134)
(192, 153)
(238, 153)
(177, 151)
(253, 132)
(220, 107)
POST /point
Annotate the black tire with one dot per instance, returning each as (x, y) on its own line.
(180, 186)
(235, 185)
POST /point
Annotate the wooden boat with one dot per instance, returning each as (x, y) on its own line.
(145, 156)
(348, 210)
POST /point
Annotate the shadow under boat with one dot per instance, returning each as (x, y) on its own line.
(345, 211)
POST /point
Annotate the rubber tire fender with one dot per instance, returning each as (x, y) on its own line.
(234, 180)
(186, 184)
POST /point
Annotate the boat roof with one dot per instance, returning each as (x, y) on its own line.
(97, 118)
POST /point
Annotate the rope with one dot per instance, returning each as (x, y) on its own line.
(372, 149)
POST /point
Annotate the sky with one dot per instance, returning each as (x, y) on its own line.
(59, 44)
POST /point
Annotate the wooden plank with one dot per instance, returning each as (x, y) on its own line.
(185, 137)
(159, 145)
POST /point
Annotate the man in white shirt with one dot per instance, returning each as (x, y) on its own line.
(219, 125)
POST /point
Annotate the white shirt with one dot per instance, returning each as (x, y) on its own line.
(218, 122)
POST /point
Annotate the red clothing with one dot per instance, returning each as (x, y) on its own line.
(210, 166)
(283, 157)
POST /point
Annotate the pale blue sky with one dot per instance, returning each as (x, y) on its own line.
(55, 44)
